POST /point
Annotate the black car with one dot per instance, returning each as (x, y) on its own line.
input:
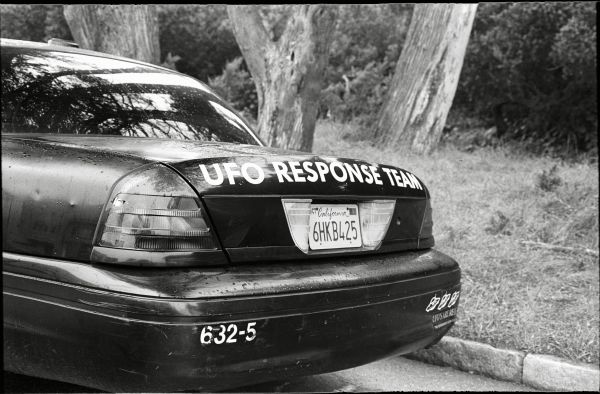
(152, 242)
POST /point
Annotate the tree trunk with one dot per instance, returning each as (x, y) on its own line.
(287, 72)
(124, 30)
(426, 77)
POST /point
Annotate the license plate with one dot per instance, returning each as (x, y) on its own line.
(334, 226)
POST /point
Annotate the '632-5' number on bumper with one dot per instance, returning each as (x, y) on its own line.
(227, 334)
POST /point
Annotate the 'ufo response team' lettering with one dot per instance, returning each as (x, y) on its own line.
(308, 171)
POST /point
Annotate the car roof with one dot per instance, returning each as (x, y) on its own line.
(22, 44)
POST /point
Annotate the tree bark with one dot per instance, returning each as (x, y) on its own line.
(287, 72)
(426, 77)
(124, 30)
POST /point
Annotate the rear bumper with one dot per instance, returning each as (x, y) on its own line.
(146, 330)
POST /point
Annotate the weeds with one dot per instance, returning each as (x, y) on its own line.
(548, 181)
(498, 224)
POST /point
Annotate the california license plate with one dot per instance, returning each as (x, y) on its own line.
(334, 226)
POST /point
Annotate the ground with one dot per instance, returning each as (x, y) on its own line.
(388, 375)
(485, 204)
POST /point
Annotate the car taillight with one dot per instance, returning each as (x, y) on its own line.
(169, 223)
(155, 210)
(375, 217)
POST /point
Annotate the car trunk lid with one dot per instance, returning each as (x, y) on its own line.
(246, 197)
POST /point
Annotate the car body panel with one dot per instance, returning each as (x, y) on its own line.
(48, 209)
(241, 280)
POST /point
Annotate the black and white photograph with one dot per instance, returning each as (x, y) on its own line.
(305, 198)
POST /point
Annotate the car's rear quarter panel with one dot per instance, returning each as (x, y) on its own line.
(52, 196)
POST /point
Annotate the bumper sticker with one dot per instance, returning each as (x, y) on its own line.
(443, 301)
(443, 318)
(453, 299)
(446, 301)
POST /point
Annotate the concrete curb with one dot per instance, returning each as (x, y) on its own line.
(538, 371)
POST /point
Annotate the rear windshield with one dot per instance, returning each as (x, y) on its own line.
(69, 93)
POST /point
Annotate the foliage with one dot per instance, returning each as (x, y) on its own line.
(200, 35)
(361, 92)
(549, 180)
(366, 44)
(531, 69)
(195, 39)
(37, 22)
(498, 224)
(55, 25)
(236, 86)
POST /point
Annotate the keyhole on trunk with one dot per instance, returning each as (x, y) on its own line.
(292, 56)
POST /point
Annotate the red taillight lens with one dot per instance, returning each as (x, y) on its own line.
(155, 210)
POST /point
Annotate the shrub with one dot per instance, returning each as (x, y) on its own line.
(530, 68)
(200, 35)
(365, 46)
(498, 224)
(236, 86)
(549, 180)
(33, 22)
(359, 95)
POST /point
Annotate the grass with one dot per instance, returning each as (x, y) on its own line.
(484, 203)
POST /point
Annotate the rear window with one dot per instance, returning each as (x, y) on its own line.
(70, 93)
